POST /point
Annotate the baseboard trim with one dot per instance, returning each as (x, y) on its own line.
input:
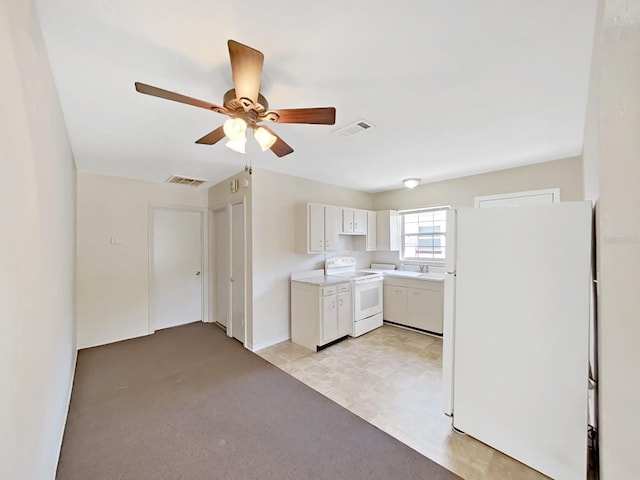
(273, 341)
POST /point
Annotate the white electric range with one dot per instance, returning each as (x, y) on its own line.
(366, 293)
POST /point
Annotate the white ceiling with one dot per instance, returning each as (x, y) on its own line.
(453, 87)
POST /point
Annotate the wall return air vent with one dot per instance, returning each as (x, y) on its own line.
(194, 182)
(354, 128)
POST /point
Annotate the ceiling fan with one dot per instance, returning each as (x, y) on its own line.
(246, 106)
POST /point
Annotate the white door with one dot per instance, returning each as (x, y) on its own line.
(237, 279)
(221, 265)
(176, 273)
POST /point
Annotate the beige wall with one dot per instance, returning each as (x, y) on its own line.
(37, 252)
(272, 213)
(459, 192)
(614, 169)
(113, 280)
(274, 198)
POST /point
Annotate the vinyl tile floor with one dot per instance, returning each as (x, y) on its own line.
(392, 377)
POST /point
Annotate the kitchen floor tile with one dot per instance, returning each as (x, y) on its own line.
(392, 378)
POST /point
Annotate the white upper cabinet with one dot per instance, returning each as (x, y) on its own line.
(331, 220)
(388, 230)
(316, 228)
(354, 221)
(372, 243)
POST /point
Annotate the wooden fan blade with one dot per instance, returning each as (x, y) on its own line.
(322, 116)
(176, 97)
(246, 67)
(280, 148)
(212, 137)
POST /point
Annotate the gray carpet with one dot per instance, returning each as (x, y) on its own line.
(190, 403)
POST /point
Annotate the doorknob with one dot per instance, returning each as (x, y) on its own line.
(197, 273)
(231, 279)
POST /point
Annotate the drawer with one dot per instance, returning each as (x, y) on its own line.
(326, 291)
(344, 287)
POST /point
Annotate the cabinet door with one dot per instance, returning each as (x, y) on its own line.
(387, 230)
(394, 303)
(360, 221)
(344, 314)
(347, 220)
(424, 309)
(316, 228)
(331, 220)
(371, 231)
(329, 319)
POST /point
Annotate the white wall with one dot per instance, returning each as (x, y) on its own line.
(274, 198)
(113, 280)
(37, 251)
(615, 173)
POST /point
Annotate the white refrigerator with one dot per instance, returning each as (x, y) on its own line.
(516, 331)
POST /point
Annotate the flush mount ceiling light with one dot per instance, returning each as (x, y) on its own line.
(411, 182)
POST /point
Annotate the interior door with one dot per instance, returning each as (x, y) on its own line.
(176, 274)
(238, 278)
(221, 261)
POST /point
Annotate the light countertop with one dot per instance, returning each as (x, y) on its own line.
(322, 280)
(431, 276)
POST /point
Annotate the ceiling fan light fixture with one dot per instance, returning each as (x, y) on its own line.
(265, 138)
(235, 129)
(411, 182)
(237, 145)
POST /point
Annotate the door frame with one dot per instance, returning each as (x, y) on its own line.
(204, 257)
(237, 201)
(227, 208)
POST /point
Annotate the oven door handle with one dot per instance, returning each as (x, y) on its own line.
(369, 280)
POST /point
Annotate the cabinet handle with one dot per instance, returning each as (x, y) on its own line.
(416, 293)
(340, 302)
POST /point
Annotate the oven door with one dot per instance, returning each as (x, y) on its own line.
(367, 297)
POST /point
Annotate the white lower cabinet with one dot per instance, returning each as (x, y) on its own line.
(320, 314)
(394, 303)
(414, 303)
(345, 322)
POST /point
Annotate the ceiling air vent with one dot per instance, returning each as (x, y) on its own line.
(194, 182)
(353, 129)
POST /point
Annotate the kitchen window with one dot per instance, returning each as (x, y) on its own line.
(424, 233)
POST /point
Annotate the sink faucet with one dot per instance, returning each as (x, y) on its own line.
(424, 268)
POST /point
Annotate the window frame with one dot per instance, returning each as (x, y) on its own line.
(403, 236)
